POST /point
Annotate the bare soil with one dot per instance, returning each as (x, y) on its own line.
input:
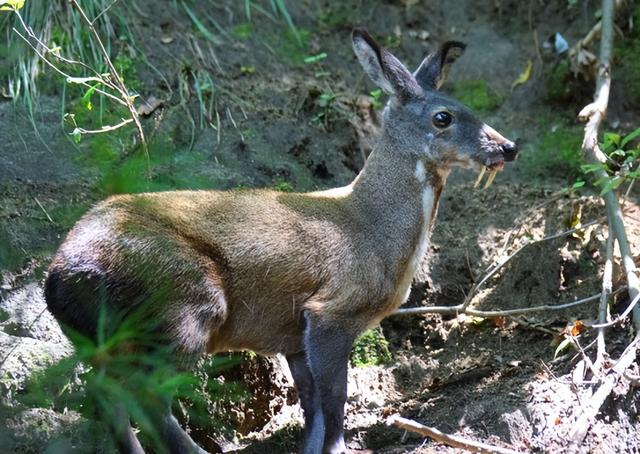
(277, 119)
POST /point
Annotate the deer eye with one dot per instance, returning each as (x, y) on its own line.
(442, 119)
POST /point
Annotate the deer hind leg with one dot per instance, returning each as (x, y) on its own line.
(123, 434)
(328, 345)
(172, 309)
(175, 437)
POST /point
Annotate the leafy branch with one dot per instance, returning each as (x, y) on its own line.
(109, 84)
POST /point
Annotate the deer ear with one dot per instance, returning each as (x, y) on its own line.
(434, 68)
(382, 67)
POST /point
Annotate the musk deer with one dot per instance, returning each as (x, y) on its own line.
(301, 274)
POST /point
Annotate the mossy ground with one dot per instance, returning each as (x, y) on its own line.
(626, 53)
(557, 153)
(371, 349)
(477, 95)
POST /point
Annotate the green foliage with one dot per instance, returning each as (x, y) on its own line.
(283, 186)
(199, 25)
(279, 8)
(207, 406)
(626, 51)
(127, 364)
(477, 95)
(243, 31)
(291, 48)
(563, 87)
(247, 70)
(60, 27)
(622, 162)
(328, 107)
(315, 58)
(558, 151)
(337, 14)
(371, 349)
(125, 65)
(375, 98)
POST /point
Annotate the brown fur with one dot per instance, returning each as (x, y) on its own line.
(299, 274)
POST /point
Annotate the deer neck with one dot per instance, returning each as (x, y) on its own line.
(396, 196)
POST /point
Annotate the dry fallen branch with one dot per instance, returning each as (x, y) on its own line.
(449, 440)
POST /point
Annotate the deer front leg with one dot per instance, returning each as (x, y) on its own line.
(309, 401)
(327, 346)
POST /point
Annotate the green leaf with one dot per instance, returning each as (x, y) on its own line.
(611, 138)
(562, 346)
(612, 184)
(200, 26)
(578, 184)
(589, 168)
(11, 5)
(629, 137)
(86, 98)
(76, 135)
(315, 58)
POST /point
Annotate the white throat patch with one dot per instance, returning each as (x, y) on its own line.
(421, 172)
(404, 288)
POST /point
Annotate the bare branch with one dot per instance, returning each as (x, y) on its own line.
(459, 309)
(62, 73)
(594, 114)
(116, 75)
(607, 285)
(506, 260)
(463, 308)
(622, 316)
(105, 128)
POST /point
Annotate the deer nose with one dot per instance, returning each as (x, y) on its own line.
(510, 150)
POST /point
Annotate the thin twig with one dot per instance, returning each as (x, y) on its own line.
(449, 440)
(118, 79)
(622, 316)
(607, 285)
(43, 210)
(62, 73)
(464, 307)
(103, 11)
(57, 54)
(503, 262)
(105, 128)
(459, 309)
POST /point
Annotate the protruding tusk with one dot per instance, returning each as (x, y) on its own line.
(477, 183)
(492, 176)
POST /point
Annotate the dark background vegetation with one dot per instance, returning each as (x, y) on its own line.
(267, 93)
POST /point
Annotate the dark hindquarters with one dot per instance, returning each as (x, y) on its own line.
(148, 311)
